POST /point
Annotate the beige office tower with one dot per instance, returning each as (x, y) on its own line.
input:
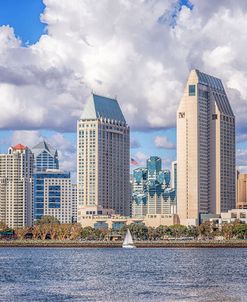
(205, 149)
(103, 158)
(16, 170)
(242, 191)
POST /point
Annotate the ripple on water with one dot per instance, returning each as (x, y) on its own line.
(40, 274)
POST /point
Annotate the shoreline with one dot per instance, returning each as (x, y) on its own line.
(138, 244)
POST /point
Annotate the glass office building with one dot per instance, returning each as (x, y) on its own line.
(45, 157)
(52, 195)
(151, 190)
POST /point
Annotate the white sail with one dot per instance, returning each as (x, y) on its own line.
(128, 241)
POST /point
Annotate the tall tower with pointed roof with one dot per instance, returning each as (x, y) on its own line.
(205, 149)
(45, 157)
(103, 158)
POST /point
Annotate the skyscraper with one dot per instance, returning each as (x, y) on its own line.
(45, 157)
(151, 192)
(103, 157)
(205, 149)
(16, 170)
(174, 175)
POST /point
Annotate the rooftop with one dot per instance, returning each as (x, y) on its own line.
(216, 84)
(102, 107)
(44, 146)
(19, 147)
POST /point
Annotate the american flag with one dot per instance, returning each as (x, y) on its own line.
(133, 162)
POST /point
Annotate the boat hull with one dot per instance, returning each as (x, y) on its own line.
(129, 247)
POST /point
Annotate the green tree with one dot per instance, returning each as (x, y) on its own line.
(3, 226)
(47, 220)
(205, 229)
(75, 231)
(178, 230)
(22, 232)
(240, 230)
(227, 230)
(193, 231)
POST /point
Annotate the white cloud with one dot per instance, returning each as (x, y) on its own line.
(141, 158)
(134, 143)
(66, 148)
(241, 159)
(27, 138)
(163, 143)
(119, 48)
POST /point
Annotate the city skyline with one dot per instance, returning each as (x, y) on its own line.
(151, 113)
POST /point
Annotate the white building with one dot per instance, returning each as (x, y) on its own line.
(16, 168)
(205, 149)
(74, 202)
(103, 157)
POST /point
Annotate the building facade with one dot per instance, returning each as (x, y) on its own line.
(242, 191)
(174, 175)
(103, 145)
(45, 157)
(151, 193)
(53, 195)
(205, 149)
(117, 222)
(16, 170)
(74, 202)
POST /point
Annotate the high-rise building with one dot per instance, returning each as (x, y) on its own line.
(74, 202)
(45, 157)
(139, 192)
(242, 191)
(205, 149)
(174, 175)
(52, 195)
(16, 170)
(151, 193)
(103, 157)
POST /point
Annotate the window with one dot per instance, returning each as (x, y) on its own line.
(192, 90)
(181, 114)
(214, 116)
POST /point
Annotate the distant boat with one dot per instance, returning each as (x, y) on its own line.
(128, 241)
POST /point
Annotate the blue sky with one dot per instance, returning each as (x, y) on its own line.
(24, 17)
(46, 79)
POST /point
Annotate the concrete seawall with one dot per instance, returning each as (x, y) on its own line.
(139, 244)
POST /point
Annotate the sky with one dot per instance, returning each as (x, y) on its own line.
(53, 53)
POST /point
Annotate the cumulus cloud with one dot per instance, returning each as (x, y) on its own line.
(66, 148)
(241, 155)
(163, 142)
(144, 60)
(134, 143)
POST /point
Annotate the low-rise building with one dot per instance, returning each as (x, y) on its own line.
(116, 222)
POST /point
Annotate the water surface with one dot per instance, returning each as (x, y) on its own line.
(74, 274)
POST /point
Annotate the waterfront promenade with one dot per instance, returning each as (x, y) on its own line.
(118, 244)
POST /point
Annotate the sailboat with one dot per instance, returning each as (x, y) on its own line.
(128, 241)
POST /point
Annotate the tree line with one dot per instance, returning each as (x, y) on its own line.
(49, 228)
